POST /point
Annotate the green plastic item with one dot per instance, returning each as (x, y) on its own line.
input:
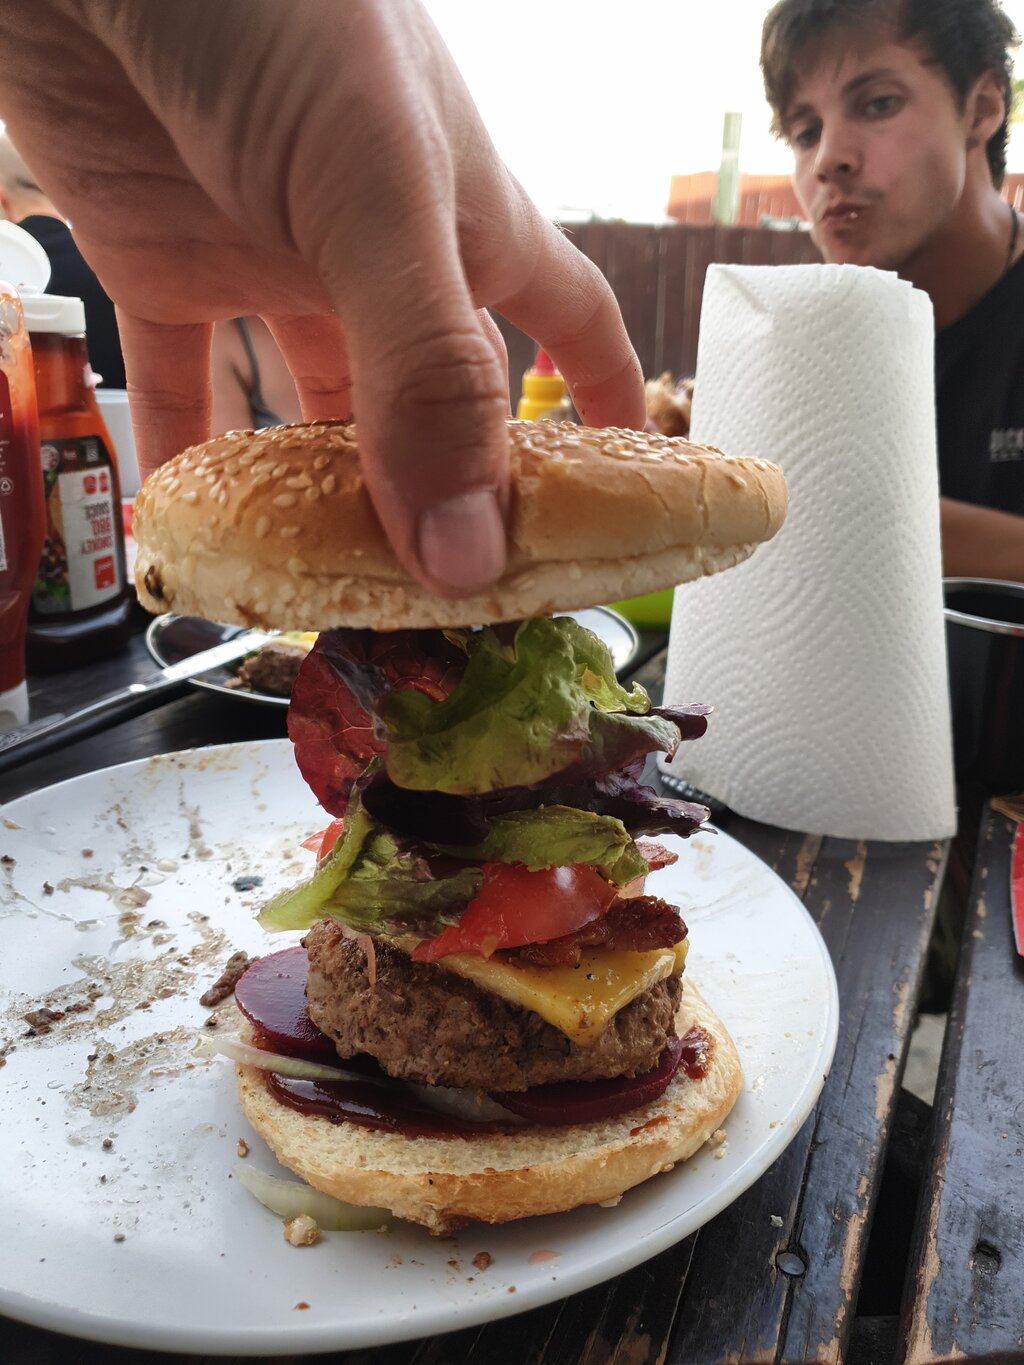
(653, 611)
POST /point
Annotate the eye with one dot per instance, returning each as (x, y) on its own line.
(881, 106)
(804, 136)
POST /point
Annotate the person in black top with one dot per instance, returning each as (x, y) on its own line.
(24, 203)
(251, 383)
(896, 112)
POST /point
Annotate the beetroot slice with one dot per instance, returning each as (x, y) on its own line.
(272, 995)
(589, 1101)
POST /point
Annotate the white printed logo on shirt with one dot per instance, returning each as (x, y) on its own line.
(1006, 444)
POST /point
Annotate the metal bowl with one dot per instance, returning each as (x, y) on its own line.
(985, 644)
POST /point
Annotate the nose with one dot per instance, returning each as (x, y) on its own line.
(837, 155)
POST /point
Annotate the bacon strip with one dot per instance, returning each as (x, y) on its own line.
(656, 854)
(635, 926)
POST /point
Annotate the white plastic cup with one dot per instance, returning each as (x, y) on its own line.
(113, 404)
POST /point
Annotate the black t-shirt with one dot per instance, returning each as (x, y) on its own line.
(71, 274)
(979, 395)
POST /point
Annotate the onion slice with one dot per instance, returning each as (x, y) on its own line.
(208, 1047)
(288, 1199)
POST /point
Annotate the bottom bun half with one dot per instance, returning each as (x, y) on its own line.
(443, 1183)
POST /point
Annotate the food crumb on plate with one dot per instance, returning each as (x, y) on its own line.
(243, 1147)
(537, 1257)
(300, 1307)
(225, 984)
(483, 1259)
(301, 1231)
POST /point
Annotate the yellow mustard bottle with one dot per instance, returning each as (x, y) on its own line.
(545, 393)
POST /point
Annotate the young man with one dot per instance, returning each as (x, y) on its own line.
(896, 112)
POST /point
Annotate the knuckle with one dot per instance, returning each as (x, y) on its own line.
(447, 368)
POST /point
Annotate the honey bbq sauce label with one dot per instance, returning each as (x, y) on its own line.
(83, 553)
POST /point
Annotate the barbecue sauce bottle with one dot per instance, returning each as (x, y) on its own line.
(81, 601)
(21, 504)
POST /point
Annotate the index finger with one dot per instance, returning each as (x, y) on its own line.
(569, 308)
(167, 371)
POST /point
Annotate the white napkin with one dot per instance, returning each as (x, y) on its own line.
(824, 655)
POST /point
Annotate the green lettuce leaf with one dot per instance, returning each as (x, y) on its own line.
(559, 836)
(369, 905)
(521, 713)
(301, 905)
(368, 882)
(596, 670)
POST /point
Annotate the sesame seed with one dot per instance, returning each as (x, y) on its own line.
(328, 485)
(289, 532)
(262, 527)
(285, 500)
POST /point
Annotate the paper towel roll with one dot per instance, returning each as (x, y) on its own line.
(824, 655)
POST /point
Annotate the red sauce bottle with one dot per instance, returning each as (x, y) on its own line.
(81, 600)
(22, 517)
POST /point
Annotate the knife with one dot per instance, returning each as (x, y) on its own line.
(1017, 889)
(41, 736)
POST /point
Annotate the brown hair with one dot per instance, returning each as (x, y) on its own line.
(965, 37)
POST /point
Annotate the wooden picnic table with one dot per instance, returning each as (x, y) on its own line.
(809, 1263)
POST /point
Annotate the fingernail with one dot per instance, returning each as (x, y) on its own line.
(462, 541)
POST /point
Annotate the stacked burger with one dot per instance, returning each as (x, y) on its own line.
(490, 992)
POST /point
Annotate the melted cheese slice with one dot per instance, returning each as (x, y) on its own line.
(581, 1000)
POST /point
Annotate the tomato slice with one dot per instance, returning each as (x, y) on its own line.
(322, 842)
(515, 906)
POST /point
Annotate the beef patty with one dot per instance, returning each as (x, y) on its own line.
(425, 1024)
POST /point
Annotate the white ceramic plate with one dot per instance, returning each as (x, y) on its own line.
(123, 893)
(170, 639)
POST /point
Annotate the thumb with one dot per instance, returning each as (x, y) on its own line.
(429, 393)
(430, 401)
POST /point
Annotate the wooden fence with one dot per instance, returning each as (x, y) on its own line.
(657, 275)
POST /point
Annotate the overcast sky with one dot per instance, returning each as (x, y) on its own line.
(595, 104)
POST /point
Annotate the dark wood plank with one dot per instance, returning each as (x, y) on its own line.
(875, 909)
(965, 1293)
(675, 321)
(631, 268)
(876, 912)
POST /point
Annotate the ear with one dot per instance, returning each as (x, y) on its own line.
(984, 108)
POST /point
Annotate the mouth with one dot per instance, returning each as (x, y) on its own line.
(842, 214)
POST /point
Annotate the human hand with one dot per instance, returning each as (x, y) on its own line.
(322, 165)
